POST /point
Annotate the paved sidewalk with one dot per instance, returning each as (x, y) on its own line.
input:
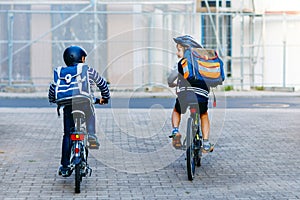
(257, 156)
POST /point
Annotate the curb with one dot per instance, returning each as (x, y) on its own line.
(230, 94)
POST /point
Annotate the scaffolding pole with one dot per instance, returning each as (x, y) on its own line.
(10, 46)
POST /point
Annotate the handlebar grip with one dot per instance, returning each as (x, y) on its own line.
(97, 101)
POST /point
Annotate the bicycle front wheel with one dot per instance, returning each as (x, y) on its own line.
(190, 161)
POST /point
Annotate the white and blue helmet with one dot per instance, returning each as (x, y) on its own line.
(187, 41)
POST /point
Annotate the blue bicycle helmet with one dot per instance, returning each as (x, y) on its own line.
(187, 41)
(73, 55)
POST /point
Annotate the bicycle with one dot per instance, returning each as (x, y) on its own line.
(79, 140)
(193, 141)
(79, 150)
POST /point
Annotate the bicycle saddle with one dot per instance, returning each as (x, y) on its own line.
(78, 114)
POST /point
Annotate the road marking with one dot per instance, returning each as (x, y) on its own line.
(272, 105)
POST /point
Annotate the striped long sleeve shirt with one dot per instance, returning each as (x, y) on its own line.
(94, 79)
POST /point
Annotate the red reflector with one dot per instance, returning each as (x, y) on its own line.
(193, 110)
(76, 150)
(77, 136)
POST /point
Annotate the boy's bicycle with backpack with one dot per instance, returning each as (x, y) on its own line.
(200, 67)
(79, 149)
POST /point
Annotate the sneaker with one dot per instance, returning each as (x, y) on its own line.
(93, 141)
(176, 140)
(64, 171)
(207, 148)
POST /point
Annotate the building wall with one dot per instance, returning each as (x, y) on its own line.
(271, 29)
(41, 52)
(119, 58)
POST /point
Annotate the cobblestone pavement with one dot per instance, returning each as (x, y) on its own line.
(257, 156)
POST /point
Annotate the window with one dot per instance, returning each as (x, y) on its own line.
(210, 28)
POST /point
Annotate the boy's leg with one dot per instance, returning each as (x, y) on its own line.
(66, 143)
(205, 127)
(176, 118)
(91, 127)
(90, 119)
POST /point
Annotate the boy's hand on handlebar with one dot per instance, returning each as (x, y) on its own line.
(103, 101)
(172, 85)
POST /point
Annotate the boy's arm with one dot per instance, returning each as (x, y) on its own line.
(172, 77)
(100, 82)
(51, 93)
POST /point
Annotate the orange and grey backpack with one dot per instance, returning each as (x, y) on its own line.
(200, 64)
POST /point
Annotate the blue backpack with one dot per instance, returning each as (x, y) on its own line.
(203, 65)
(72, 84)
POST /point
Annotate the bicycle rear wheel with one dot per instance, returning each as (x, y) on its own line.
(190, 161)
(78, 178)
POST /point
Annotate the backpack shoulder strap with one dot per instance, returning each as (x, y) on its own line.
(79, 68)
(57, 70)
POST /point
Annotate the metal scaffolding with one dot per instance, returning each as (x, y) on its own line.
(136, 35)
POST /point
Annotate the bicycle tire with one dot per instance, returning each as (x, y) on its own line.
(190, 161)
(77, 178)
(199, 162)
(199, 155)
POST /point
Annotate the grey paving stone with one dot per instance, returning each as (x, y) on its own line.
(257, 156)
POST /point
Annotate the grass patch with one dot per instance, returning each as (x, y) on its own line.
(228, 88)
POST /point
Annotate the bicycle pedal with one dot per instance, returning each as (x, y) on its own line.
(197, 148)
(93, 146)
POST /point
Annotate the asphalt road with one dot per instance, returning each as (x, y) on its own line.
(229, 102)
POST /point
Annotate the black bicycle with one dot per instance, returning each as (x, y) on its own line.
(193, 141)
(79, 150)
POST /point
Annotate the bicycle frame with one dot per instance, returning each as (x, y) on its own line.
(196, 118)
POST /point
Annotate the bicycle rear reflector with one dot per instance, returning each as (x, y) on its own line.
(193, 110)
(76, 150)
(77, 137)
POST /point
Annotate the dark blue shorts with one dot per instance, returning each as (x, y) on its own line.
(183, 101)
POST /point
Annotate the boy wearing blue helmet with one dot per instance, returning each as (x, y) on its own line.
(74, 56)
